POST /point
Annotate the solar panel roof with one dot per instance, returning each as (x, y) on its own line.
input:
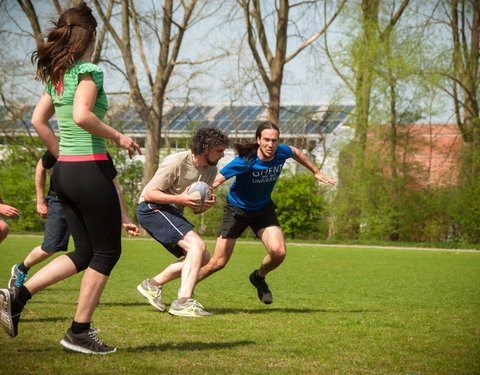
(295, 120)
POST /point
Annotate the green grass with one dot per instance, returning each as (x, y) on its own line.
(336, 310)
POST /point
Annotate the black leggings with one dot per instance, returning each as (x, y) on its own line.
(92, 208)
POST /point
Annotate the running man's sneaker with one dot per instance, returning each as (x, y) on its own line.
(18, 277)
(9, 313)
(192, 308)
(86, 342)
(264, 293)
(152, 293)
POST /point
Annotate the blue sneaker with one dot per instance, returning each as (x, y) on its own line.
(18, 277)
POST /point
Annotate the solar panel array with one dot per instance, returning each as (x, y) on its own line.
(244, 119)
(295, 120)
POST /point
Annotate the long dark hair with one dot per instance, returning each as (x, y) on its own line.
(249, 150)
(71, 36)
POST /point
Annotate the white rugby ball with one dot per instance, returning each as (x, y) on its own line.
(200, 191)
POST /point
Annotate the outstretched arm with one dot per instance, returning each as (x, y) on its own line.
(219, 179)
(302, 159)
(8, 211)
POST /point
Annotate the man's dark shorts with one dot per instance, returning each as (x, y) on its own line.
(235, 220)
(56, 227)
(165, 223)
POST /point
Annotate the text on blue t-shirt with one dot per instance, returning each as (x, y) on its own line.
(255, 179)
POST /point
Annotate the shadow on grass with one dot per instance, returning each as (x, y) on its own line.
(37, 350)
(123, 304)
(287, 310)
(74, 302)
(43, 320)
(55, 288)
(186, 346)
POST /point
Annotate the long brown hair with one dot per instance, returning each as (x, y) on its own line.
(66, 43)
(249, 150)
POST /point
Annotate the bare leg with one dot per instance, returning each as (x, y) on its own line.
(174, 270)
(223, 251)
(274, 242)
(58, 269)
(36, 256)
(194, 248)
(4, 229)
(91, 289)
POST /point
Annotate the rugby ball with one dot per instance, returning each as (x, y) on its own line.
(200, 191)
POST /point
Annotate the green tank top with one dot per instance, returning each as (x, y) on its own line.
(73, 139)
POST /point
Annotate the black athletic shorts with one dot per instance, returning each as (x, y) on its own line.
(235, 220)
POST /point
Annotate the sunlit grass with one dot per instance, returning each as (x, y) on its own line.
(336, 311)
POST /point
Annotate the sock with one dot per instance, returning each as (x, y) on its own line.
(257, 275)
(154, 283)
(79, 327)
(24, 294)
(22, 267)
(182, 300)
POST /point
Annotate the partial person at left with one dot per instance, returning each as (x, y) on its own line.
(10, 212)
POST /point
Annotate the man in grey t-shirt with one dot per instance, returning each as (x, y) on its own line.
(160, 212)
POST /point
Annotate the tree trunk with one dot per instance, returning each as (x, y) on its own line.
(466, 64)
(274, 104)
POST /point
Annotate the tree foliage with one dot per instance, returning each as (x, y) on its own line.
(17, 188)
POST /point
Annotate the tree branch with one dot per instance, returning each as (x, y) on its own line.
(245, 4)
(317, 35)
(101, 35)
(29, 10)
(138, 34)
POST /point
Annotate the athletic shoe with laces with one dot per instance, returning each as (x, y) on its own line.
(264, 293)
(192, 308)
(86, 342)
(152, 293)
(9, 310)
(17, 277)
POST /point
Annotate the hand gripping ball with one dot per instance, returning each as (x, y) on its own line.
(200, 191)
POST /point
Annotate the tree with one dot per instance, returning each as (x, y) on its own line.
(169, 33)
(271, 57)
(465, 30)
(367, 50)
(463, 20)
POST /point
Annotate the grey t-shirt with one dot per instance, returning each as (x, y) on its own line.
(176, 172)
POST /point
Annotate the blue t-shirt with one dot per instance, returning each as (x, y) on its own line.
(255, 179)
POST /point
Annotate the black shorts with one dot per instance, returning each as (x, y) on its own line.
(165, 223)
(235, 220)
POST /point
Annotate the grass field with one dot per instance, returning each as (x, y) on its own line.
(336, 311)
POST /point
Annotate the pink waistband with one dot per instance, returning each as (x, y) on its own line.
(82, 157)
